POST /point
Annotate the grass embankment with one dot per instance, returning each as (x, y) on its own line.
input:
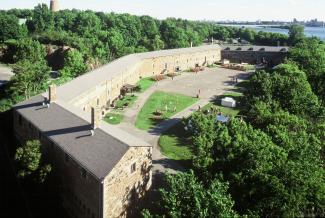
(175, 142)
(116, 116)
(154, 110)
(145, 84)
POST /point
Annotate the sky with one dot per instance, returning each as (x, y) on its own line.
(240, 10)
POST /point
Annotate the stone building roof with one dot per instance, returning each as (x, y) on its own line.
(98, 154)
(255, 48)
(90, 80)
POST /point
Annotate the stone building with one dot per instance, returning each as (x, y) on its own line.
(254, 54)
(102, 170)
(102, 86)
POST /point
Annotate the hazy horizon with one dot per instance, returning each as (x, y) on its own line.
(232, 10)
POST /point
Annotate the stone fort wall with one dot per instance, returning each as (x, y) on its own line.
(105, 93)
(253, 57)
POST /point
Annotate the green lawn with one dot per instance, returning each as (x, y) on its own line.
(226, 110)
(113, 118)
(145, 84)
(127, 101)
(147, 119)
(175, 143)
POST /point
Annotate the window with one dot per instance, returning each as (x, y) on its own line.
(166, 65)
(30, 125)
(133, 167)
(40, 135)
(20, 120)
(97, 101)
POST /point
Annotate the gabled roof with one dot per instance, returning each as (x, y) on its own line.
(98, 153)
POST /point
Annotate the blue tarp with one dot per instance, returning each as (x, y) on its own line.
(222, 119)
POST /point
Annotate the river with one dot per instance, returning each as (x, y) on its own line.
(309, 31)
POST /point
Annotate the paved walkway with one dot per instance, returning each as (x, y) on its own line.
(211, 83)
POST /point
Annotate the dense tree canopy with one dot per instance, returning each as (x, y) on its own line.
(10, 28)
(186, 196)
(74, 64)
(309, 55)
(296, 34)
(287, 87)
(29, 158)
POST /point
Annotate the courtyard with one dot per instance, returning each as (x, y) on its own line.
(207, 85)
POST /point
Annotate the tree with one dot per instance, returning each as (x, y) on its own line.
(116, 43)
(185, 196)
(42, 19)
(310, 57)
(29, 158)
(287, 87)
(74, 64)
(173, 36)
(265, 172)
(28, 49)
(296, 34)
(29, 78)
(10, 28)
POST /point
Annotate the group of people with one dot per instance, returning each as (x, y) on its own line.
(212, 110)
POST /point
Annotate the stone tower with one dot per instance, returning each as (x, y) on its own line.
(54, 5)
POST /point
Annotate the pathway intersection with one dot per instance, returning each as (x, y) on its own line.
(210, 83)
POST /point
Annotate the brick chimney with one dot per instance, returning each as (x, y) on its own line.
(52, 93)
(95, 117)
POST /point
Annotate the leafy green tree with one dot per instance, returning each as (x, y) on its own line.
(86, 24)
(29, 78)
(310, 57)
(265, 172)
(116, 43)
(296, 34)
(42, 19)
(29, 159)
(10, 28)
(287, 88)
(74, 64)
(185, 196)
(173, 36)
(28, 49)
(221, 33)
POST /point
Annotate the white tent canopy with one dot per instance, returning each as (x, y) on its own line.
(228, 102)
